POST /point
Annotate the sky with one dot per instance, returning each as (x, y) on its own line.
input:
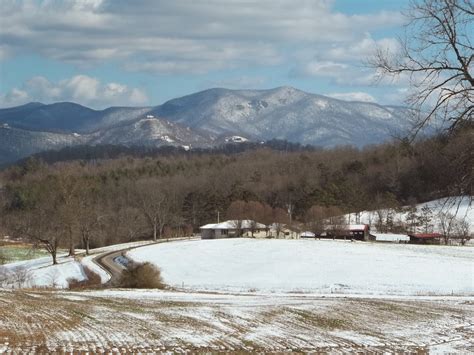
(102, 53)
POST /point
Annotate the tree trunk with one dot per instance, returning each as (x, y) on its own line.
(87, 246)
(72, 249)
(53, 255)
(155, 232)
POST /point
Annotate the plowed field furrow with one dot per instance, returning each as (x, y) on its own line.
(51, 322)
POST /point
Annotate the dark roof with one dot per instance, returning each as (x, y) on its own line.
(425, 235)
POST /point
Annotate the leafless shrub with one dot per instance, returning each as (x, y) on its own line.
(93, 280)
(462, 231)
(53, 278)
(3, 258)
(21, 276)
(141, 275)
(4, 275)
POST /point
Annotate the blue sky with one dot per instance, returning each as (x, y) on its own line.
(104, 53)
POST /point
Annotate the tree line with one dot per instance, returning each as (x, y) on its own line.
(96, 202)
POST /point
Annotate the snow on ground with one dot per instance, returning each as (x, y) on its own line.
(324, 266)
(142, 321)
(457, 206)
(41, 273)
(88, 262)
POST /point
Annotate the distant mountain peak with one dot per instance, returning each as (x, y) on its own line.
(204, 118)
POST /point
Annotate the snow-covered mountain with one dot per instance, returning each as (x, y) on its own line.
(203, 119)
(16, 143)
(151, 131)
(287, 113)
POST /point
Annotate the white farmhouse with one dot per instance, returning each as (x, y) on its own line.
(231, 229)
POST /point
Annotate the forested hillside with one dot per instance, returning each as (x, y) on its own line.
(102, 201)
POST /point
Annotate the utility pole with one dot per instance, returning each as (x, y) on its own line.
(218, 217)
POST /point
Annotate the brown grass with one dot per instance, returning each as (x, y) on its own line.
(93, 281)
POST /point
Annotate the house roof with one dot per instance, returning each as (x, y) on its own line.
(233, 224)
(425, 235)
(208, 226)
(350, 227)
(390, 237)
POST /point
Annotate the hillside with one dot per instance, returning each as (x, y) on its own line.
(207, 118)
(458, 206)
(17, 143)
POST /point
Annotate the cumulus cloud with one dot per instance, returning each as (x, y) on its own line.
(241, 82)
(345, 64)
(353, 96)
(81, 89)
(181, 36)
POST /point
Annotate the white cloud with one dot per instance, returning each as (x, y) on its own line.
(180, 36)
(81, 89)
(346, 63)
(353, 96)
(242, 82)
(360, 49)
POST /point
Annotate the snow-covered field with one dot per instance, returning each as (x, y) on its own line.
(313, 266)
(296, 295)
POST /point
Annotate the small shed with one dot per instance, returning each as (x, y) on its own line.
(307, 234)
(389, 237)
(349, 231)
(282, 231)
(425, 238)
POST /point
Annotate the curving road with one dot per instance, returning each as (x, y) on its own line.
(107, 260)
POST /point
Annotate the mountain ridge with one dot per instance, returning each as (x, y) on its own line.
(206, 118)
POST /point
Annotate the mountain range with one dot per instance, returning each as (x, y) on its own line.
(204, 119)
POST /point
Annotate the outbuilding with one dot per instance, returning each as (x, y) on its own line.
(307, 234)
(231, 229)
(389, 237)
(425, 238)
(349, 231)
(282, 231)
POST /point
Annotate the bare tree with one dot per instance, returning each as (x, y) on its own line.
(3, 257)
(156, 203)
(462, 231)
(316, 219)
(53, 277)
(37, 220)
(436, 55)
(21, 275)
(447, 223)
(237, 212)
(4, 275)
